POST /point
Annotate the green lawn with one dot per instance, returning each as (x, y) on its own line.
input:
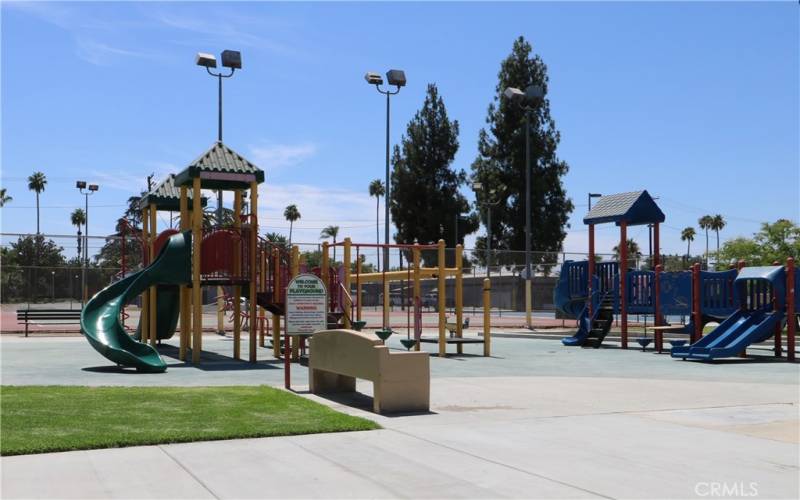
(38, 419)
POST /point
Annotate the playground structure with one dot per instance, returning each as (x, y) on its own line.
(177, 264)
(594, 292)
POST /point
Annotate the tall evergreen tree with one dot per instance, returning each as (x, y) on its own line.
(501, 161)
(291, 214)
(426, 201)
(377, 189)
(36, 183)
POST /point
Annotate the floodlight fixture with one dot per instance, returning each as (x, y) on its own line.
(396, 77)
(533, 92)
(206, 60)
(93, 187)
(232, 59)
(373, 78)
(514, 94)
(80, 184)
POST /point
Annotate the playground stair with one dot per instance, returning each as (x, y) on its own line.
(601, 324)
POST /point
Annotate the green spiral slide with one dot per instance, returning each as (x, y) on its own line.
(100, 318)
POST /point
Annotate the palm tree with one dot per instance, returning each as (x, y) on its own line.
(705, 223)
(78, 218)
(687, 235)
(291, 214)
(377, 189)
(36, 182)
(634, 252)
(4, 198)
(330, 232)
(717, 224)
(277, 239)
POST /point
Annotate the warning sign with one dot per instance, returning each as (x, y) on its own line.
(306, 305)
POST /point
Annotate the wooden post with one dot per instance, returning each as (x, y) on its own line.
(441, 297)
(347, 303)
(197, 295)
(487, 317)
(590, 277)
(417, 286)
(153, 289)
(459, 297)
(184, 290)
(237, 271)
(325, 269)
(791, 319)
(263, 286)
(144, 319)
(276, 287)
(294, 270)
(623, 275)
(253, 353)
(358, 284)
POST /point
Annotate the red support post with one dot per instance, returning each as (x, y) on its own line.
(697, 314)
(659, 335)
(623, 274)
(779, 327)
(591, 267)
(791, 320)
(656, 247)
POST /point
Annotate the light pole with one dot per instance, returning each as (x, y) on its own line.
(53, 287)
(231, 59)
(90, 190)
(593, 195)
(397, 78)
(492, 198)
(527, 101)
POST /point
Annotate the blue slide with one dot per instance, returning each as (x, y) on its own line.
(732, 336)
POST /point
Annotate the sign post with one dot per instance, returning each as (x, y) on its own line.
(306, 313)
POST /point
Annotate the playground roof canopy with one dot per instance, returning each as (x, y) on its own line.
(166, 196)
(220, 168)
(634, 208)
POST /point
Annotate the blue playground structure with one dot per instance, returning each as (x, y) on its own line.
(752, 304)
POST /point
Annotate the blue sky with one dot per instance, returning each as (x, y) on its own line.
(696, 102)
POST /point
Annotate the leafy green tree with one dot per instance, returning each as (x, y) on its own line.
(24, 265)
(688, 235)
(291, 213)
(330, 232)
(774, 242)
(4, 197)
(501, 161)
(426, 201)
(36, 183)
(717, 224)
(705, 224)
(634, 253)
(377, 189)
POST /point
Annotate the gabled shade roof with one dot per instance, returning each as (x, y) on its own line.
(166, 196)
(634, 208)
(220, 168)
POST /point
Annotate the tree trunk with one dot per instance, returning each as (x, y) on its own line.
(706, 249)
(291, 224)
(716, 259)
(37, 212)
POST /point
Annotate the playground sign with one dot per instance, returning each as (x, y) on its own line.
(306, 305)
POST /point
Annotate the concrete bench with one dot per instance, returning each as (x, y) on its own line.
(401, 380)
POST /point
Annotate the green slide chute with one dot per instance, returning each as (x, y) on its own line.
(100, 318)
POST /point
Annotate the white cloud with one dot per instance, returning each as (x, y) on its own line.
(101, 54)
(281, 155)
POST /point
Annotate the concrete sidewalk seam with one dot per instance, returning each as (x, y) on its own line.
(501, 464)
(191, 474)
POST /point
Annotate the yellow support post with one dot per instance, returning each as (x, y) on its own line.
(487, 317)
(276, 318)
(253, 269)
(442, 302)
(417, 285)
(386, 303)
(183, 289)
(263, 286)
(459, 298)
(237, 269)
(347, 305)
(197, 296)
(153, 303)
(144, 319)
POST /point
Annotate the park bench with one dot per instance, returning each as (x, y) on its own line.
(401, 380)
(50, 316)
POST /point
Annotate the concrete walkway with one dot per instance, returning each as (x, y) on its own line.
(537, 420)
